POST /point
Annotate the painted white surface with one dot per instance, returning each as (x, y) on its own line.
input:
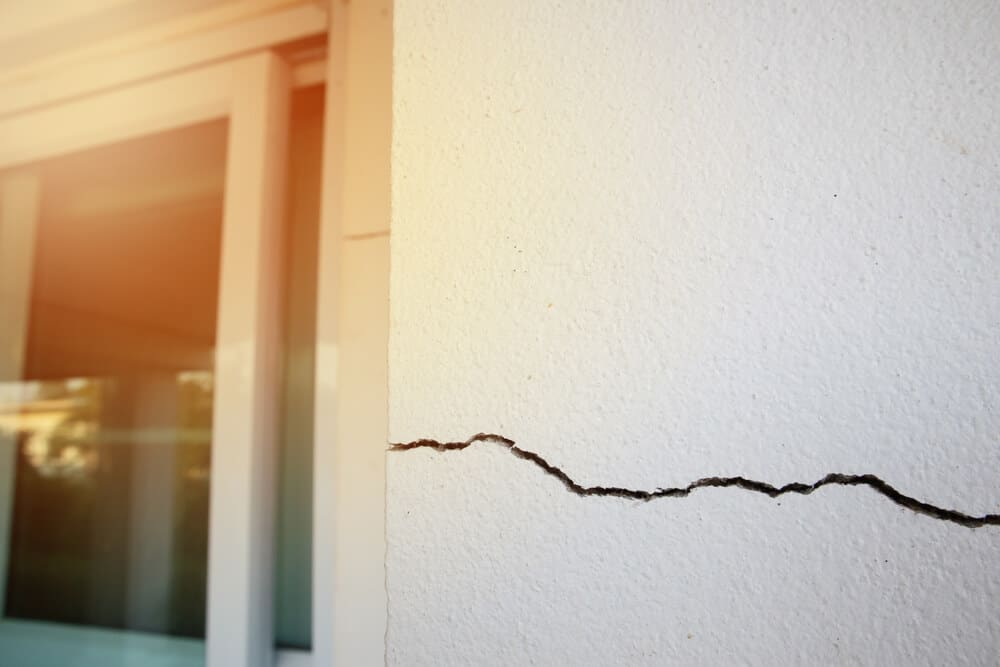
(247, 370)
(349, 601)
(21, 18)
(167, 47)
(661, 241)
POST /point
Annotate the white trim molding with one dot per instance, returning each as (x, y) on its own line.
(349, 597)
(247, 370)
(212, 35)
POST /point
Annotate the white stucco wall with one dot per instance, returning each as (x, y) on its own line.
(659, 241)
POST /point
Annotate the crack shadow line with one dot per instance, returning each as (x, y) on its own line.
(839, 479)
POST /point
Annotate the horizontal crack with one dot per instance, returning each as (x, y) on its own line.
(871, 481)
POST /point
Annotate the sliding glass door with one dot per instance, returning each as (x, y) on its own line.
(140, 287)
(106, 409)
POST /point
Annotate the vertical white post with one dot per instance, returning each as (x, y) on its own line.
(327, 317)
(349, 599)
(245, 428)
(19, 209)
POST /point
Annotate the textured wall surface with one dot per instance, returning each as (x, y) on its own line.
(659, 241)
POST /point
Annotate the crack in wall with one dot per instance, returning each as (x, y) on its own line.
(840, 479)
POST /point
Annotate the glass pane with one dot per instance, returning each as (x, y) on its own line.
(108, 305)
(293, 592)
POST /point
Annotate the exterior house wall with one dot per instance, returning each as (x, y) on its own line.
(656, 242)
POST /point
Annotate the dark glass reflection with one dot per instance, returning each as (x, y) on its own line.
(112, 412)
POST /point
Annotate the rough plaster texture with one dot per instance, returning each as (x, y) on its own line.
(659, 241)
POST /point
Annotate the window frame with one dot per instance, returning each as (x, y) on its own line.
(349, 599)
(253, 93)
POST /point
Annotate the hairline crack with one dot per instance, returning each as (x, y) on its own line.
(833, 479)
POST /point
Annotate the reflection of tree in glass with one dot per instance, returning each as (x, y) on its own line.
(83, 441)
(55, 422)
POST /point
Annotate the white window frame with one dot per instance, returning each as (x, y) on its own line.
(252, 93)
(349, 605)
